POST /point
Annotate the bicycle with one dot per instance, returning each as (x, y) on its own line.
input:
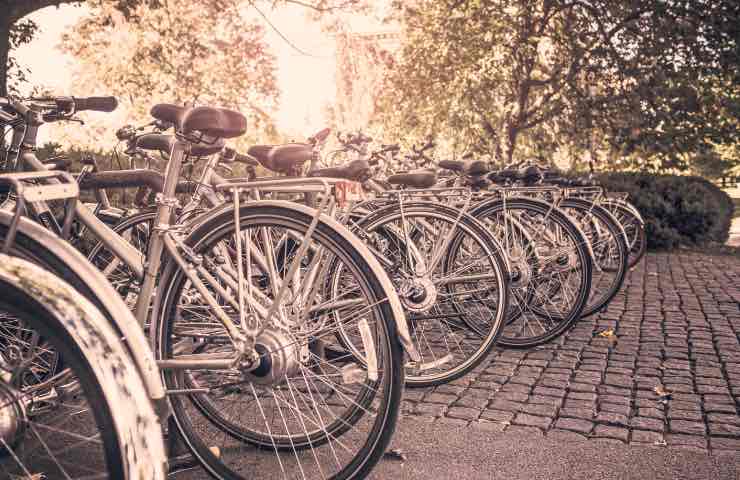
(273, 330)
(64, 372)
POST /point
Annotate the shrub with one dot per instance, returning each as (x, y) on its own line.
(678, 210)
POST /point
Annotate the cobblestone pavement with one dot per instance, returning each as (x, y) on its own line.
(677, 326)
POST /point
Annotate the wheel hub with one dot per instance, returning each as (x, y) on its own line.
(521, 274)
(418, 294)
(12, 416)
(279, 357)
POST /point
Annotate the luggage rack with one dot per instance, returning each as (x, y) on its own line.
(26, 192)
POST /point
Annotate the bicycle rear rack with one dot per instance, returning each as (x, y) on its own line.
(27, 191)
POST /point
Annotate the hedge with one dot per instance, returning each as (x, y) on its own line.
(678, 210)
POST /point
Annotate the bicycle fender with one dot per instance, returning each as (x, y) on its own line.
(227, 211)
(106, 299)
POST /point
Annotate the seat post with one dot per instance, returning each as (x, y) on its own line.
(165, 206)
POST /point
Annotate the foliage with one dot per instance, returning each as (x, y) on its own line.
(15, 30)
(520, 78)
(202, 52)
(678, 210)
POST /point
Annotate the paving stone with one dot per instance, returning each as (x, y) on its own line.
(723, 418)
(686, 440)
(541, 410)
(607, 431)
(685, 415)
(678, 320)
(650, 412)
(512, 396)
(532, 421)
(640, 436)
(546, 400)
(449, 389)
(724, 429)
(684, 426)
(574, 424)
(725, 443)
(612, 418)
(646, 423)
(615, 408)
(430, 409)
(439, 398)
(506, 405)
(552, 392)
(587, 413)
(496, 415)
(464, 413)
(591, 397)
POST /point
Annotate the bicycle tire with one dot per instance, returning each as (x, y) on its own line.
(131, 438)
(385, 401)
(633, 227)
(615, 238)
(532, 314)
(468, 229)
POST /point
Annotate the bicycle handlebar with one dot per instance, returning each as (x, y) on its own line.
(96, 104)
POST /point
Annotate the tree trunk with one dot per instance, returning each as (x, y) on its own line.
(4, 52)
(510, 147)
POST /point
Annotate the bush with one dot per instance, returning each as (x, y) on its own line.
(678, 210)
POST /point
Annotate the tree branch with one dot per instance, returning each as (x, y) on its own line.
(21, 8)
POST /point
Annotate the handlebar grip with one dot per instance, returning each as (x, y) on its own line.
(97, 104)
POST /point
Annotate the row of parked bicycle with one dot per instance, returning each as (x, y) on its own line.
(273, 321)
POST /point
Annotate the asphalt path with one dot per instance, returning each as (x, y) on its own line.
(449, 451)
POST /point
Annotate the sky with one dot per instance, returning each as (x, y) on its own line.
(306, 82)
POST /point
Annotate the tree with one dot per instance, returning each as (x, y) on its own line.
(15, 30)
(203, 52)
(511, 77)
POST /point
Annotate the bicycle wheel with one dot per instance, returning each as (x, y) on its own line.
(609, 248)
(135, 229)
(455, 308)
(311, 410)
(634, 228)
(64, 420)
(550, 268)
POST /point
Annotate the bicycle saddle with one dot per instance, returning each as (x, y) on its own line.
(164, 143)
(320, 136)
(212, 121)
(474, 167)
(288, 158)
(356, 170)
(416, 178)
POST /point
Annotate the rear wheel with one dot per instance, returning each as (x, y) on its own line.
(314, 410)
(550, 268)
(633, 228)
(456, 309)
(609, 248)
